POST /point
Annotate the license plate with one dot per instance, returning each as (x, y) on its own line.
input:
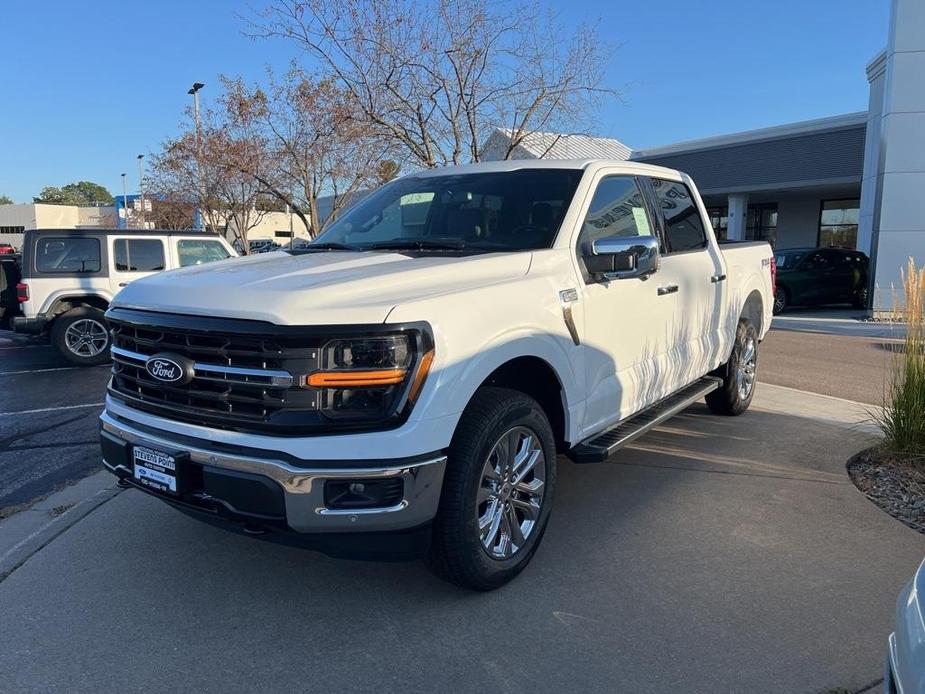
(154, 469)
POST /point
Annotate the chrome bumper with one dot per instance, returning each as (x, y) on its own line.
(303, 488)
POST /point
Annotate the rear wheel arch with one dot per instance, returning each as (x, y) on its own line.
(63, 304)
(753, 310)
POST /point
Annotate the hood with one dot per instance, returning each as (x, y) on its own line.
(326, 288)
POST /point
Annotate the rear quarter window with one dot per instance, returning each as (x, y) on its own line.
(197, 252)
(61, 254)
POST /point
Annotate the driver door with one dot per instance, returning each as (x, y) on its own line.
(625, 338)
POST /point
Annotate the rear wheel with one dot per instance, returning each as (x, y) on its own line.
(739, 374)
(81, 336)
(497, 491)
(781, 300)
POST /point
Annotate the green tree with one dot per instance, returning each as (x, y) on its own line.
(79, 193)
(6, 200)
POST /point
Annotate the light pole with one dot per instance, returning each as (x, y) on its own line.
(141, 188)
(124, 219)
(194, 91)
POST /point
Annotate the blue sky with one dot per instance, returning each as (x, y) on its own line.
(87, 86)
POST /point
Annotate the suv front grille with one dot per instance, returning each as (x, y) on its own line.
(241, 381)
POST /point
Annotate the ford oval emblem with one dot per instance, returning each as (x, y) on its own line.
(169, 368)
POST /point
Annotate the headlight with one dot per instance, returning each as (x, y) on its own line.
(371, 377)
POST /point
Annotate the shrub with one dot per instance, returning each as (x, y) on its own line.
(902, 419)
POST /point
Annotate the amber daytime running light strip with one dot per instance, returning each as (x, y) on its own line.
(371, 379)
(356, 379)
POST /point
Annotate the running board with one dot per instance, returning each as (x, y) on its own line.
(600, 447)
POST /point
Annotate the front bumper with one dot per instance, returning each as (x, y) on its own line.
(264, 494)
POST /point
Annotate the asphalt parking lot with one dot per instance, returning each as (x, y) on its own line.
(714, 554)
(48, 414)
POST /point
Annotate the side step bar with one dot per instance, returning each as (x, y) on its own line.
(600, 447)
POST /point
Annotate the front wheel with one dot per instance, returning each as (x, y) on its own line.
(739, 374)
(81, 336)
(497, 491)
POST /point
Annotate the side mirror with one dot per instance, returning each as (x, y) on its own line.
(623, 257)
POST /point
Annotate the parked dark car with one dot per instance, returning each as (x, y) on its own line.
(10, 275)
(814, 276)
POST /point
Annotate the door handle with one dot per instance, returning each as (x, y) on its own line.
(717, 278)
(123, 284)
(667, 289)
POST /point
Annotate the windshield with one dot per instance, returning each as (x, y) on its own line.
(788, 261)
(504, 211)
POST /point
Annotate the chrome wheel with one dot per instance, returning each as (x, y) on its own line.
(748, 365)
(510, 494)
(86, 337)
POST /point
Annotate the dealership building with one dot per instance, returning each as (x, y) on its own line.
(854, 180)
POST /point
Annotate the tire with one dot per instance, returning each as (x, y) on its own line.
(860, 300)
(735, 395)
(67, 330)
(781, 300)
(493, 420)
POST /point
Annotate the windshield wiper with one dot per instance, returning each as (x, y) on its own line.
(418, 245)
(325, 246)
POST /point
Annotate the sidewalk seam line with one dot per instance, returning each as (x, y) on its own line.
(113, 493)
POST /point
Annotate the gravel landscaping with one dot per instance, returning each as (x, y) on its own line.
(892, 483)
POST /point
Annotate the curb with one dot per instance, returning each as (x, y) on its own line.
(27, 532)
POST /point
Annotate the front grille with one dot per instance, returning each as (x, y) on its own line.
(242, 380)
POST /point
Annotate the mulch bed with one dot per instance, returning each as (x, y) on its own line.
(893, 483)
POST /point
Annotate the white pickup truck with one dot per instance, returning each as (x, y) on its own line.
(403, 385)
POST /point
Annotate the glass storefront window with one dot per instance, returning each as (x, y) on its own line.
(761, 223)
(719, 220)
(838, 223)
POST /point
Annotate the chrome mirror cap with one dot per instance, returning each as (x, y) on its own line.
(624, 257)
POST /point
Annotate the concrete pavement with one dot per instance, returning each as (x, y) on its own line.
(715, 554)
(854, 368)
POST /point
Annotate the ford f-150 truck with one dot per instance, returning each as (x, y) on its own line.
(402, 385)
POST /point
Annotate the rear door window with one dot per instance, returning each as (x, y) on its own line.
(683, 225)
(139, 255)
(197, 252)
(62, 254)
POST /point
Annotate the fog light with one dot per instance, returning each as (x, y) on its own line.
(358, 494)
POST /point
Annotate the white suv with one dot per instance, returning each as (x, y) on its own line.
(70, 276)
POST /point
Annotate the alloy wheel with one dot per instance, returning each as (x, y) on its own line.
(748, 366)
(510, 493)
(86, 337)
(780, 300)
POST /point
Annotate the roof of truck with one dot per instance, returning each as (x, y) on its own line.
(515, 164)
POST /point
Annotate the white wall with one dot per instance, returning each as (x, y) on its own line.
(898, 218)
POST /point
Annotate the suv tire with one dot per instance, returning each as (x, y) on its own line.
(739, 374)
(81, 336)
(497, 491)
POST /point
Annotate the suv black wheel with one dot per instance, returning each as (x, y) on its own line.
(81, 336)
(497, 491)
(739, 374)
(860, 299)
(781, 300)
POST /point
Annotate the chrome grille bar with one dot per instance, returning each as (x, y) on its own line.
(279, 379)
